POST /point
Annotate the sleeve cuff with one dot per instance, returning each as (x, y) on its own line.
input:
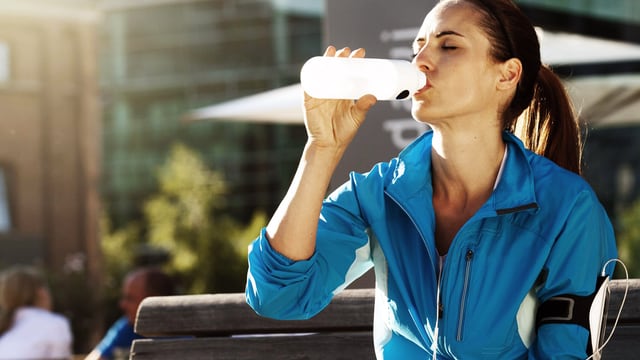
(277, 262)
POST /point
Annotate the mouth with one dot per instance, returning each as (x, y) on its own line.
(426, 87)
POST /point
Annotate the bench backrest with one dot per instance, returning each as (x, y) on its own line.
(229, 314)
(221, 326)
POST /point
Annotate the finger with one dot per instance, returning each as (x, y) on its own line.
(344, 52)
(330, 51)
(364, 104)
(358, 53)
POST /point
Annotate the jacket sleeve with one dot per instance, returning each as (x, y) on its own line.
(280, 288)
(584, 244)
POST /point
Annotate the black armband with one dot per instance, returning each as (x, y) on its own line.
(588, 311)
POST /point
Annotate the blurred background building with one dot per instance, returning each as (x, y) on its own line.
(50, 140)
(163, 58)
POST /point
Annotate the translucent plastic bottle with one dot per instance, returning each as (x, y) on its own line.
(327, 77)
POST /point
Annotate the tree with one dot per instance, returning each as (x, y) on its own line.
(629, 239)
(186, 218)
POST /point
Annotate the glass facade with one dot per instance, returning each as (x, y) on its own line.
(617, 11)
(161, 60)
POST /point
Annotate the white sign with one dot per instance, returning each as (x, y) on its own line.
(385, 30)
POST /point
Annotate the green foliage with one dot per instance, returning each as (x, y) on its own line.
(118, 248)
(207, 249)
(629, 240)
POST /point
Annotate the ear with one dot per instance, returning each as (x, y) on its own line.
(510, 73)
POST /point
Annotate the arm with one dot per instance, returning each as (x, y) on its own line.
(585, 244)
(289, 277)
(282, 288)
(94, 355)
(331, 126)
(120, 335)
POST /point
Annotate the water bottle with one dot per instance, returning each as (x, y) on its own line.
(327, 77)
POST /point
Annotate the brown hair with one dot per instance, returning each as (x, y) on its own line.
(157, 282)
(18, 287)
(541, 112)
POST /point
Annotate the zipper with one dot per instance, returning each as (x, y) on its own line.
(415, 225)
(421, 329)
(465, 290)
(439, 308)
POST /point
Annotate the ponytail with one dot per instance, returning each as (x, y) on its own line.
(540, 113)
(549, 126)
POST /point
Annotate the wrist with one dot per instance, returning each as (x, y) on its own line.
(327, 155)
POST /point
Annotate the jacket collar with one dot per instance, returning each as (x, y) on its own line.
(515, 190)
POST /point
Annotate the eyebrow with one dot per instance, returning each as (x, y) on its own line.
(439, 35)
(448, 32)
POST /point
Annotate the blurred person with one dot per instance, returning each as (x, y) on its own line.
(138, 285)
(28, 327)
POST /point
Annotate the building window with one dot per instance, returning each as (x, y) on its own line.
(5, 64)
(5, 215)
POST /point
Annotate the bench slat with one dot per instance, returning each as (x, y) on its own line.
(224, 314)
(309, 347)
(625, 343)
(631, 309)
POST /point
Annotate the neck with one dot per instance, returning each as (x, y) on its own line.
(465, 163)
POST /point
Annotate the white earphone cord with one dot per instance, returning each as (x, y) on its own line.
(624, 298)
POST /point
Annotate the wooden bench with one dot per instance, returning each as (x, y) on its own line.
(222, 326)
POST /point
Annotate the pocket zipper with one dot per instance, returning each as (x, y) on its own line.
(465, 289)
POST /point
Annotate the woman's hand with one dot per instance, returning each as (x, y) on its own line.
(334, 123)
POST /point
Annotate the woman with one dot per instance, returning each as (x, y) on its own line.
(469, 229)
(28, 328)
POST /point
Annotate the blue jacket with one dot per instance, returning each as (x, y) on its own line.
(118, 339)
(539, 220)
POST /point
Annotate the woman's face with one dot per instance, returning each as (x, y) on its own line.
(453, 51)
(43, 298)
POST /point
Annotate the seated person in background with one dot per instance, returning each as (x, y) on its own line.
(28, 328)
(137, 285)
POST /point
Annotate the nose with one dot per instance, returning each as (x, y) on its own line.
(423, 60)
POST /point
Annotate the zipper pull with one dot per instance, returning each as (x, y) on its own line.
(469, 255)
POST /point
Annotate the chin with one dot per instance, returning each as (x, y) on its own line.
(420, 112)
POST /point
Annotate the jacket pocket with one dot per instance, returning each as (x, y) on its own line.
(465, 294)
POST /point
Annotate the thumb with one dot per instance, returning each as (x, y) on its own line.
(363, 105)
